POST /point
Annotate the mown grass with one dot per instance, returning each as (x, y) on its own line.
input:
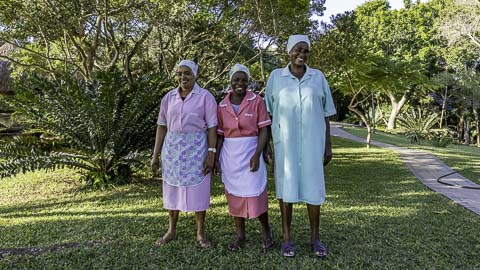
(461, 158)
(377, 216)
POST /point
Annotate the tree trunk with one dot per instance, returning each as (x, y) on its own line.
(466, 135)
(444, 108)
(461, 128)
(477, 125)
(369, 135)
(396, 108)
(373, 114)
(364, 119)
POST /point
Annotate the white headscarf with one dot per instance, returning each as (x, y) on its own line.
(294, 39)
(238, 67)
(189, 63)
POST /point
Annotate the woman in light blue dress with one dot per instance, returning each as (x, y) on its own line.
(298, 98)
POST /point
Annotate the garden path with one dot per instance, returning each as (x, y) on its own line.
(427, 168)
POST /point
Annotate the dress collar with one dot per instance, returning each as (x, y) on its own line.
(249, 96)
(286, 71)
(195, 90)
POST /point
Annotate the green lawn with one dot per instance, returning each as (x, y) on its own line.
(377, 216)
(461, 158)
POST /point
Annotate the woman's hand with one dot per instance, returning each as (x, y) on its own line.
(254, 163)
(268, 154)
(208, 163)
(217, 169)
(327, 157)
(155, 165)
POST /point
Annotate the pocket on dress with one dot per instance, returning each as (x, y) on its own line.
(276, 133)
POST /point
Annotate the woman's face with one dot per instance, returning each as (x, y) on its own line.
(239, 83)
(185, 78)
(299, 54)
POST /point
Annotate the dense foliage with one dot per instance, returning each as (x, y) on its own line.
(101, 126)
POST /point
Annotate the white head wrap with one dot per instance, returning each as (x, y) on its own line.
(294, 39)
(189, 63)
(238, 67)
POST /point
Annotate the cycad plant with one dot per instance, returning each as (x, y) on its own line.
(417, 123)
(101, 126)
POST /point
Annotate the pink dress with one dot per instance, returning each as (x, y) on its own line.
(185, 188)
(246, 191)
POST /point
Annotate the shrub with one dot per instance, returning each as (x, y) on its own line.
(102, 126)
(417, 123)
(440, 137)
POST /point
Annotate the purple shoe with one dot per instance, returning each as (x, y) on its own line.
(287, 249)
(319, 249)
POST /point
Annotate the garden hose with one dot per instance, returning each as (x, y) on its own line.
(454, 185)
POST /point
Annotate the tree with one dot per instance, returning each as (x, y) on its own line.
(407, 36)
(463, 22)
(360, 72)
(91, 35)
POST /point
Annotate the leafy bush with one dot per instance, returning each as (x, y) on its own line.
(440, 137)
(102, 126)
(417, 124)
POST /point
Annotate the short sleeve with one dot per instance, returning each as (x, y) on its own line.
(263, 117)
(162, 114)
(220, 130)
(328, 105)
(268, 93)
(210, 110)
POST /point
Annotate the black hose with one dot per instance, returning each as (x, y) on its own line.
(454, 185)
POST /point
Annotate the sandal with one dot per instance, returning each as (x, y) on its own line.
(236, 244)
(287, 249)
(319, 249)
(162, 241)
(204, 243)
(268, 243)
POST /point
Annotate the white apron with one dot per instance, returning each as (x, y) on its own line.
(235, 165)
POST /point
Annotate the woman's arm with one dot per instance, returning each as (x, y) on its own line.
(328, 143)
(210, 159)
(218, 169)
(262, 141)
(157, 149)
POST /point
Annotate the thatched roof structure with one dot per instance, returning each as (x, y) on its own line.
(5, 88)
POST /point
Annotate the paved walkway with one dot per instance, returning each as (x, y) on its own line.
(427, 168)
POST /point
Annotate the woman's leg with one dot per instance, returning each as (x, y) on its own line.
(286, 212)
(201, 237)
(240, 231)
(267, 233)
(314, 218)
(172, 227)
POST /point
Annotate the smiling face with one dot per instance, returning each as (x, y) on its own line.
(239, 83)
(299, 54)
(185, 78)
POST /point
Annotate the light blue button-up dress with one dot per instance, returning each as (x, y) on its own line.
(298, 109)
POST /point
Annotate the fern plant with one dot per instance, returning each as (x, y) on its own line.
(101, 126)
(417, 123)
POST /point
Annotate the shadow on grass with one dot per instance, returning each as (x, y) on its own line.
(377, 215)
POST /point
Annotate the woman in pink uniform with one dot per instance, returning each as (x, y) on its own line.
(186, 137)
(242, 136)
